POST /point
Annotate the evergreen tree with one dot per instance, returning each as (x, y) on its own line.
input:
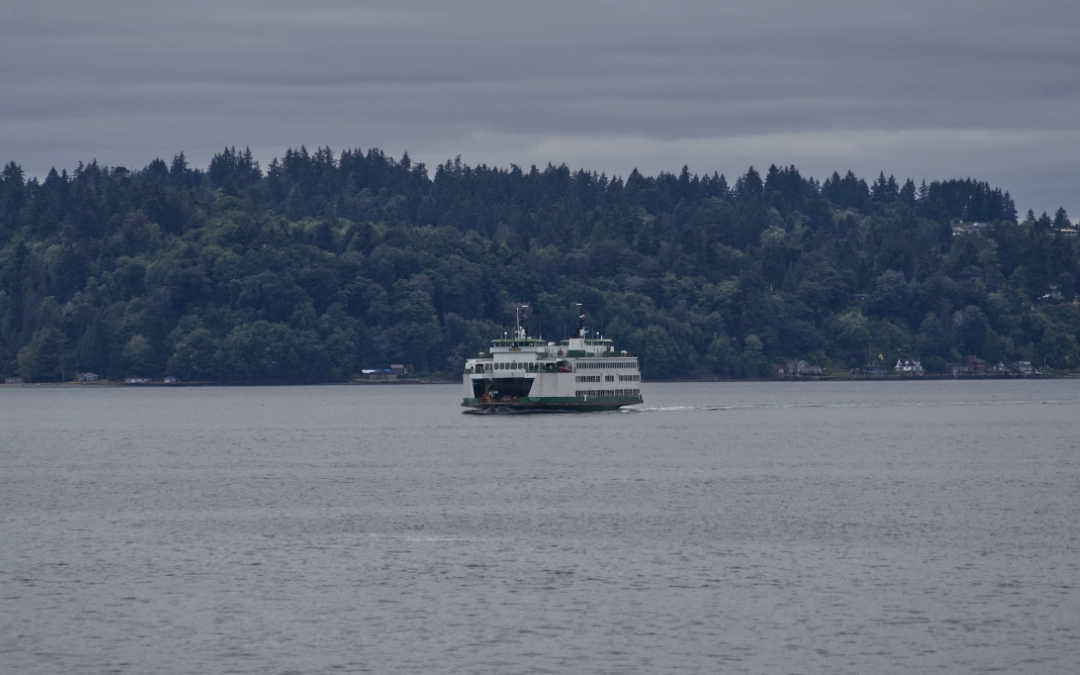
(907, 193)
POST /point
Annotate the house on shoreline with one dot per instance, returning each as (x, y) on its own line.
(909, 367)
(801, 369)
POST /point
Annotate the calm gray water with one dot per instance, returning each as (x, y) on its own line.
(761, 528)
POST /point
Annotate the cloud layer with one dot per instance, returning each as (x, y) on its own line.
(982, 88)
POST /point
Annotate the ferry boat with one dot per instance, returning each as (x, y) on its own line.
(578, 374)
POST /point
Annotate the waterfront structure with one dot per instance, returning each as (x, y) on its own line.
(875, 370)
(801, 369)
(379, 374)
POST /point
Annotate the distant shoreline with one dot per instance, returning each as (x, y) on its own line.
(838, 378)
(167, 385)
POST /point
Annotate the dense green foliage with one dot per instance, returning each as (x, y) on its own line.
(322, 265)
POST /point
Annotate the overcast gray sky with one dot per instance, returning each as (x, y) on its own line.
(927, 89)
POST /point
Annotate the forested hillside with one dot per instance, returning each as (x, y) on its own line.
(322, 264)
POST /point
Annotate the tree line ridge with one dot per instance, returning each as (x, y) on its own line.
(324, 263)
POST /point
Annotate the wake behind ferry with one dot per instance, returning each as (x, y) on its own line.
(579, 374)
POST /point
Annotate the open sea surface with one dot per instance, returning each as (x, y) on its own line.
(846, 527)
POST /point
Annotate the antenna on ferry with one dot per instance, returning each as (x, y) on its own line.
(523, 316)
(580, 320)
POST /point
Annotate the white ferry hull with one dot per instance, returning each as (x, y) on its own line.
(524, 374)
(558, 384)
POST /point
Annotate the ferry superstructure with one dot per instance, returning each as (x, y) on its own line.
(578, 374)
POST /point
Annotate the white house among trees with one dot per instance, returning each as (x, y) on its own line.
(908, 367)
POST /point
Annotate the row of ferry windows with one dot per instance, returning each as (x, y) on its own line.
(535, 367)
(607, 378)
(527, 367)
(593, 393)
(606, 364)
